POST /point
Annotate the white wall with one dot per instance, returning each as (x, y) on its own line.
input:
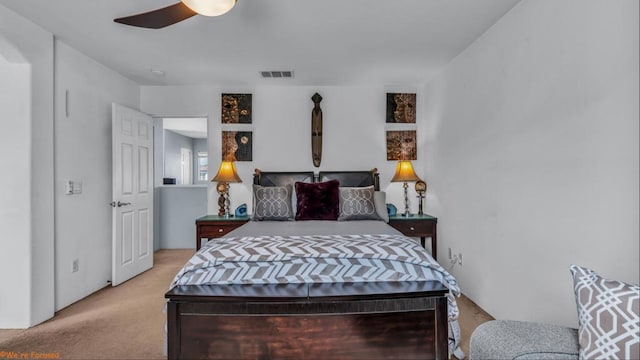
(353, 132)
(533, 154)
(182, 204)
(15, 217)
(26, 196)
(83, 153)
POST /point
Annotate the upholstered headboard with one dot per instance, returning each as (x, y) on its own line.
(281, 178)
(319, 201)
(352, 178)
(346, 178)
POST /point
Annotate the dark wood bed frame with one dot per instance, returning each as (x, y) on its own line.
(374, 320)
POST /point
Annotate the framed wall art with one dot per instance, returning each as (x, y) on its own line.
(237, 146)
(402, 145)
(401, 108)
(236, 109)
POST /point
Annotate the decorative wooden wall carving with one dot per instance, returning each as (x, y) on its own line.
(316, 130)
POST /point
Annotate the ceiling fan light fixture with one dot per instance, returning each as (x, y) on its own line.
(210, 7)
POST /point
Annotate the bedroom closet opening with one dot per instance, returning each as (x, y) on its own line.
(181, 179)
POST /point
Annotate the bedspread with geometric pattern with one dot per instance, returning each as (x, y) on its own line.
(318, 259)
(312, 259)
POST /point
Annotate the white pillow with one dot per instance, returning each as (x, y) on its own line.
(380, 200)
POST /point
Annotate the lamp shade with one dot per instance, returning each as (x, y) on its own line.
(210, 7)
(227, 173)
(404, 172)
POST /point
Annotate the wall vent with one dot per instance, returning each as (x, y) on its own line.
(276, 74)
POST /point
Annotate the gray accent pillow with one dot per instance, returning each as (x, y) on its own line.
(357, 203)
(608, 316)
(272, 202)
(380, 199)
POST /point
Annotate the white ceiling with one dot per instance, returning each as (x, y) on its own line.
(191, 127)
(325, 42)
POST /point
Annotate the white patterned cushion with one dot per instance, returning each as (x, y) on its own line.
(272, 202)
(608, 316)
(357, 203)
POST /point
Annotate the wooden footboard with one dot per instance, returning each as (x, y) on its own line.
(392, 320)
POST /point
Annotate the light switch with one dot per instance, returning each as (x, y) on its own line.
(77, 187)
(68, 187)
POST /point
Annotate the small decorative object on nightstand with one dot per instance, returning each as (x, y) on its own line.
(405, 173)
(226, 174)
(241, 210)
(421, 188)
(392, 210)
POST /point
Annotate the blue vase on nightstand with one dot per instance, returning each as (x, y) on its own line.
(391, 209)
(241, 211)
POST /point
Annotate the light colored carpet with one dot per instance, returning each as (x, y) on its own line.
(127, 321)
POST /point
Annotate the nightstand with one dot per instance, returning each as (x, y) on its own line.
(421, 226)
(215, 226)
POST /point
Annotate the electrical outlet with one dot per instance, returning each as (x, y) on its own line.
(76, 265)
(455, 259)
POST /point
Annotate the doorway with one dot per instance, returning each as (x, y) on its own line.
(181, 137)
(181, 178)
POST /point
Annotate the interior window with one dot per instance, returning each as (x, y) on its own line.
(203, 166)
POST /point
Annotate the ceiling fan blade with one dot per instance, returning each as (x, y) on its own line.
(160, 18)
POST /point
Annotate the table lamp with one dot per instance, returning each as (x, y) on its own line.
(404, 173)
(226, 174)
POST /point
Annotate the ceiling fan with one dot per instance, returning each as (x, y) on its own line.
(172, 14)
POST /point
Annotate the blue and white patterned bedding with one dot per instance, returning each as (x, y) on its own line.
(319, 259)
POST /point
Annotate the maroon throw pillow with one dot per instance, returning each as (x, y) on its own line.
(318, 201)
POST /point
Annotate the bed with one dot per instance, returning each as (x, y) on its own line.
(366, 292)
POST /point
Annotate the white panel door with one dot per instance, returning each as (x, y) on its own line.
(186, 168)
(132, 152)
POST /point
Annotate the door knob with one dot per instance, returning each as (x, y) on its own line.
(119, 204)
